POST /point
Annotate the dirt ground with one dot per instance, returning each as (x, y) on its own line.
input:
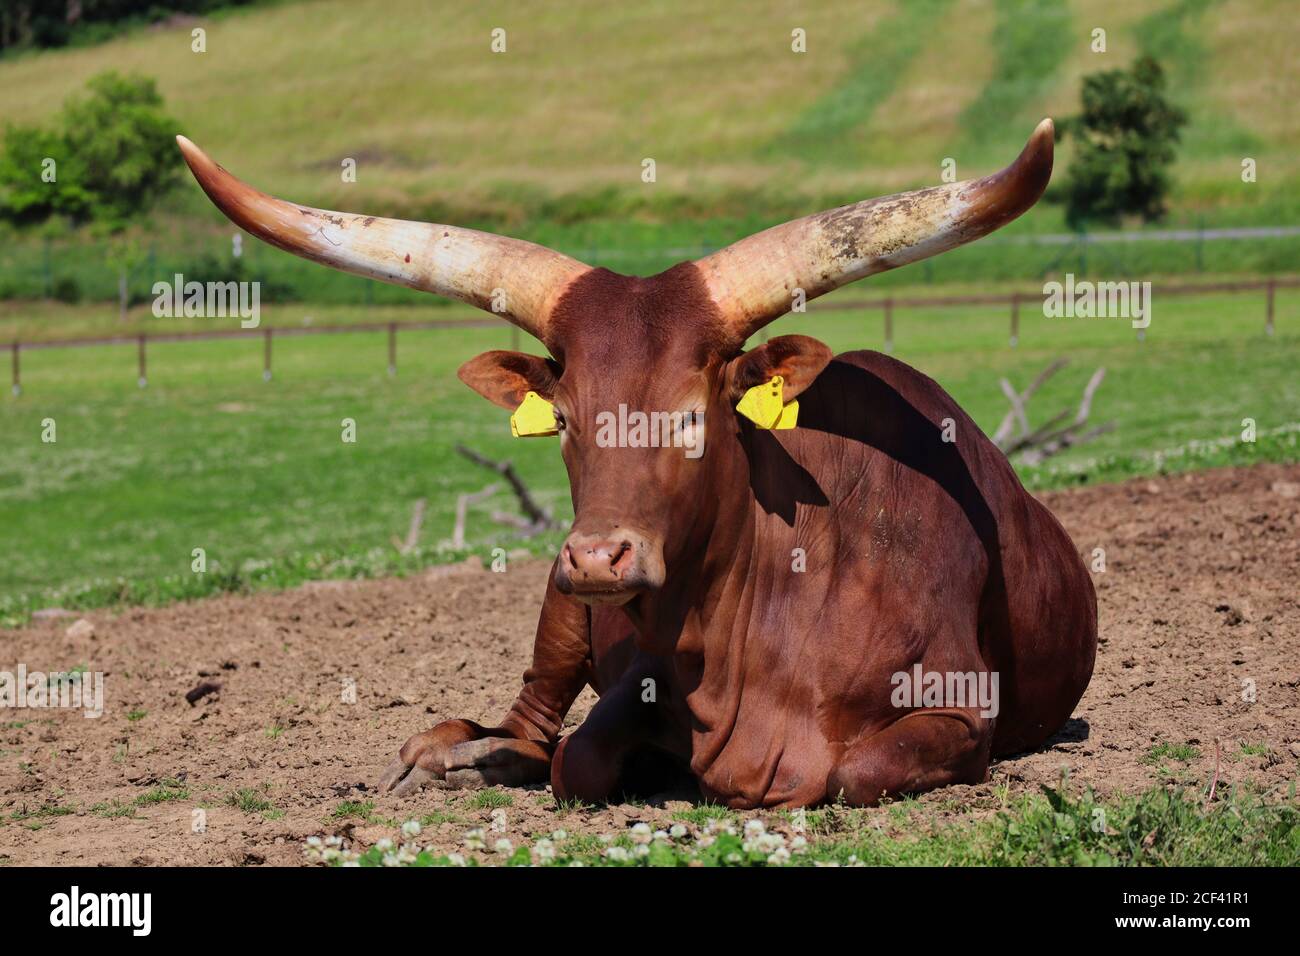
(1200, 595)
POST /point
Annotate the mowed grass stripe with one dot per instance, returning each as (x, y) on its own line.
(1031, 41)
(835, 129)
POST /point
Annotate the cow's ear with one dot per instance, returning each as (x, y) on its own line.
(506, 377)
(798, 359)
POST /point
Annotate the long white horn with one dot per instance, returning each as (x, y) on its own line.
(518, 280)
(753, 281)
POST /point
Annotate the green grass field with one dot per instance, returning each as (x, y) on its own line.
(210, 456)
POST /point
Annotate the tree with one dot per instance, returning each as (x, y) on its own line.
(113, 157)
(1126, 137)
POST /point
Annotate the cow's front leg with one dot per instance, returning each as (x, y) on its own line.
(589, 764)
(519, 749)
(923, 750)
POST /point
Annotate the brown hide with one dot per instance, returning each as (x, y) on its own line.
(774, 685)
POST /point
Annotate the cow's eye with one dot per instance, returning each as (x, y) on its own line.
(559, 420)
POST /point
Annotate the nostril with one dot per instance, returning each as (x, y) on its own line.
(621, 556)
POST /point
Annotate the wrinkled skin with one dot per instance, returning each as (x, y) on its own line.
(769, 590)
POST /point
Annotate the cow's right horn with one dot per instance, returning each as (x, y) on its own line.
(517, 280)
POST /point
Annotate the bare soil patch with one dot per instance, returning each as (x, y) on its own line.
(1200, 597)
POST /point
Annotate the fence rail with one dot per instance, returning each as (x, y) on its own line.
(1013, 300)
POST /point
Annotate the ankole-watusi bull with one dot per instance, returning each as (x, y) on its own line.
(755, 614)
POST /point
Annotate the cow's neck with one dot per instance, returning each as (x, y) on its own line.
(710, 580)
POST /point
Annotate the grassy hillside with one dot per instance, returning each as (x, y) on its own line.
(555, 129)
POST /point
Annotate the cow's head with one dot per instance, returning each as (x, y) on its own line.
(669, 347)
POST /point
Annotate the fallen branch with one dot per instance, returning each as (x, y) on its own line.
(412, 532)
(1050, 438)
(462, 512)
(536, 518)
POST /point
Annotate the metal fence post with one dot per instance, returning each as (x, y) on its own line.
(266, 355)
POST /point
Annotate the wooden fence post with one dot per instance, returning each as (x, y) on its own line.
(266, 355)
(1015, 319)
(1268, 321)
(889, 325)
(142, 379)
(17, 387)
(392, 349)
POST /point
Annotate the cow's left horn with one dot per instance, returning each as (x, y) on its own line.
(753, 281)
(515, 279)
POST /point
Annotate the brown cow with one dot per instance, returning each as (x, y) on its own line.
(769, 613)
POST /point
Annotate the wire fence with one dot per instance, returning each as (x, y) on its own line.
(1012, 301)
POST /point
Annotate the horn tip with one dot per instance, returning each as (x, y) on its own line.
(191, 152)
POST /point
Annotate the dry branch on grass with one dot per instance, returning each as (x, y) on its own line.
(413, 532)
(535, 518)
(1015, 437)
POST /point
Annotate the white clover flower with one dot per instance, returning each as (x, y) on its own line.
(677, 831)
(384, 845)
(706, 841)
(559, 835)
(503, 846)
(411, 828)
(733, 857)
(640, 851)
(544, 850)
(798, 844)
(780, 857)
(661, 835)
(474, 839)
(754, 829)
(314, 842)
(617, 853)
(334, 840)
(455, 859)
(390, 859)
(641, 833)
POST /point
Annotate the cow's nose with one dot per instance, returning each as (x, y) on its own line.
(607, 567)
(599, 560)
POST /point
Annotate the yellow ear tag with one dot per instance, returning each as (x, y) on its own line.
(534, 418)
(763, 406)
